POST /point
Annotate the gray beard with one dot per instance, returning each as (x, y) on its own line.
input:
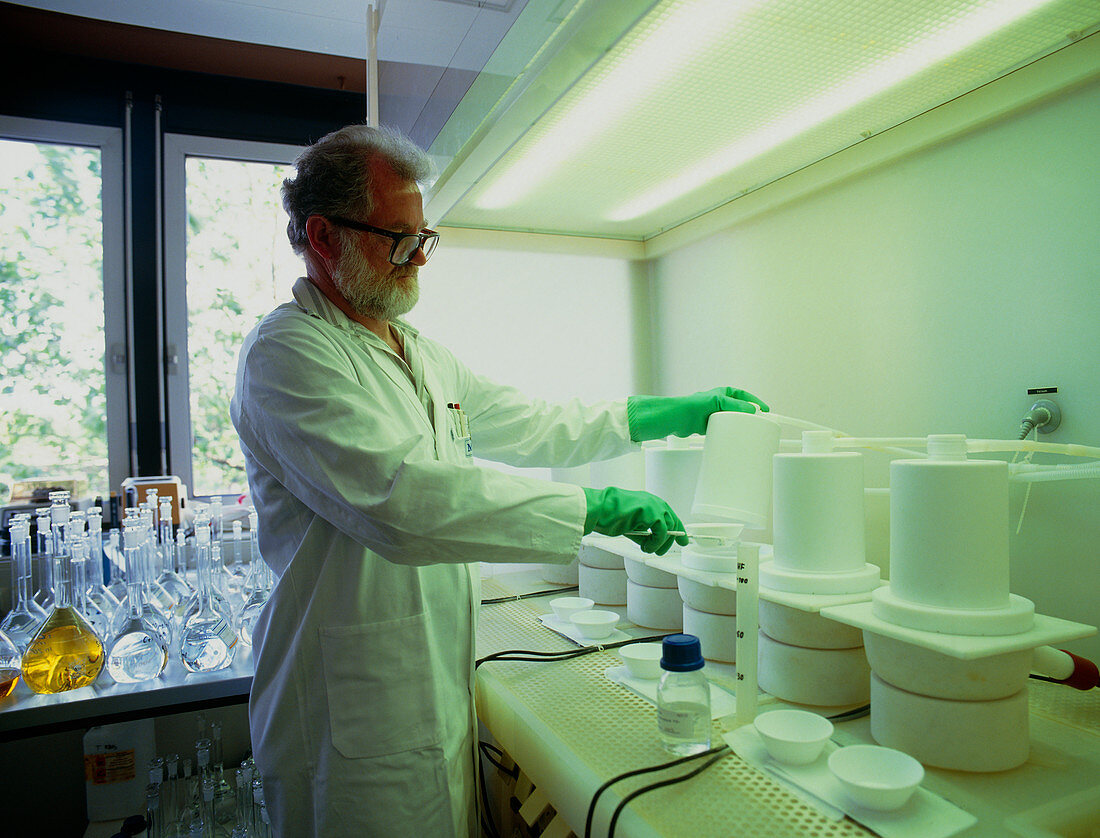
(369, 293)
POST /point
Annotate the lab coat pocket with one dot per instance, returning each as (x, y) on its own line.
(379, 685)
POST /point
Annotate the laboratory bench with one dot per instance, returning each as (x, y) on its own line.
(569, 729)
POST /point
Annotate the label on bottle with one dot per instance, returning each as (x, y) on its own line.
(113, 767)
(680, 719)
(225, 632)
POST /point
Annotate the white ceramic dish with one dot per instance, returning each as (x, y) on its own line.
(594, 625)
(566, 605)
(875, 777)
(643, 660)
(795, 737)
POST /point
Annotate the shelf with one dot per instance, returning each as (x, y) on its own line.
(24, 714)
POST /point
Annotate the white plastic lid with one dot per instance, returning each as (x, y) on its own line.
(947, 446)
(818, 442)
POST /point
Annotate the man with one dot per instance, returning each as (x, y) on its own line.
(358, 433)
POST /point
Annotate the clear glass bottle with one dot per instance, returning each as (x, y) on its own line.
(43, 565)
(169, 795)
(208, 641)
(65, 653)
(257, 587)
(91, 612)
(169, 579)
(155, 593)
(133, 539)
(23, 621)
(154, 819)
(208, 830)
(257, 803)
(97, 589)
(683, 696)
(138, 651)
(116, 584)
(10, 662)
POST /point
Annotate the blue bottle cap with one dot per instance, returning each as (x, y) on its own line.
(681, 653)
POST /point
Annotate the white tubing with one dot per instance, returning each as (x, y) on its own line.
(985, 446)
(1030, 473)
(1054, 663)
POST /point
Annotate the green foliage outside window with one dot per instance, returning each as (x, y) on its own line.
(52, 380)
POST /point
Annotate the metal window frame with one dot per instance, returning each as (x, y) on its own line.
(177, 148)
(118, 354)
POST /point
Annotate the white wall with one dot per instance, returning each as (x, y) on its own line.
(924, 297)
(556, 325)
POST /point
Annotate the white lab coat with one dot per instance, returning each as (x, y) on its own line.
(372, 517)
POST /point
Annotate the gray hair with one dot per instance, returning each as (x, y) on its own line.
(334, 175)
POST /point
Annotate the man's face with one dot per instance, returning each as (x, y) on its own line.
(363, 274)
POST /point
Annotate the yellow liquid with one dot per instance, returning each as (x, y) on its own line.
(8, 679)
(64, 655)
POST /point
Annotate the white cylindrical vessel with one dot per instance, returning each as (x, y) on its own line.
(949, 533)
(604, 586)
(672, 472)
(957, 735)
(655, 608)
(638, 571)
(735, 478)
(717, 633)
(703, 597)
(818, 519)
(561, 574)
(817, 677)
(625, 472)
(806, 628)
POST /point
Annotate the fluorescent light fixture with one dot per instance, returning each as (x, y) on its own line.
(990, 17)
(654, 60)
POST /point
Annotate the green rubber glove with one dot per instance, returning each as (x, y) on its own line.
(613, 511)
(655, 417)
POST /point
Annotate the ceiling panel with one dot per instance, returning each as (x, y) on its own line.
(704, 100)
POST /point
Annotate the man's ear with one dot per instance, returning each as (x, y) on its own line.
(322, 237)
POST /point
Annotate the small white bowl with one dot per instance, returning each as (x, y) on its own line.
(876, 777)
(643, 660)
(594, 625)
(566, 605)
(795, 737)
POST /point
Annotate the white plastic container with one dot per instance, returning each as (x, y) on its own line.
(594, 625)
(116, 759)
(875, 777)
(605, 586)
(655, 608)
(735, 478)
(643, 660)
(672, 472)
(796, 737)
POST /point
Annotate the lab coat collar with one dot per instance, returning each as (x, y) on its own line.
(312, 301)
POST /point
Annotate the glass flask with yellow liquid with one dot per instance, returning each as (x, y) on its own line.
(9, 665)
(66, 653)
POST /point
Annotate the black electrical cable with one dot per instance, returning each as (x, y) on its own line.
(514, 597)
(635, 773)
(849, 715)
(693, 773)
(562, 654)
(488, 825)
(486, 748)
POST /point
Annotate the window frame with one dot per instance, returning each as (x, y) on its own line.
(117, 344)
(177, 148)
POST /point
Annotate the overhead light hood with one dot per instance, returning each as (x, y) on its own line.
(632, 118)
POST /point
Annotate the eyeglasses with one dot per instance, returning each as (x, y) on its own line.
(405, 245)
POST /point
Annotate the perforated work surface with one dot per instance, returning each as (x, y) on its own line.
(610, 730)
(1066, 705)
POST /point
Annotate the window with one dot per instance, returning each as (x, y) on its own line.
(64, 412)
(228, 263)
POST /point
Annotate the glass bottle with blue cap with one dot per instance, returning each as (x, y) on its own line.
(683, 696)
